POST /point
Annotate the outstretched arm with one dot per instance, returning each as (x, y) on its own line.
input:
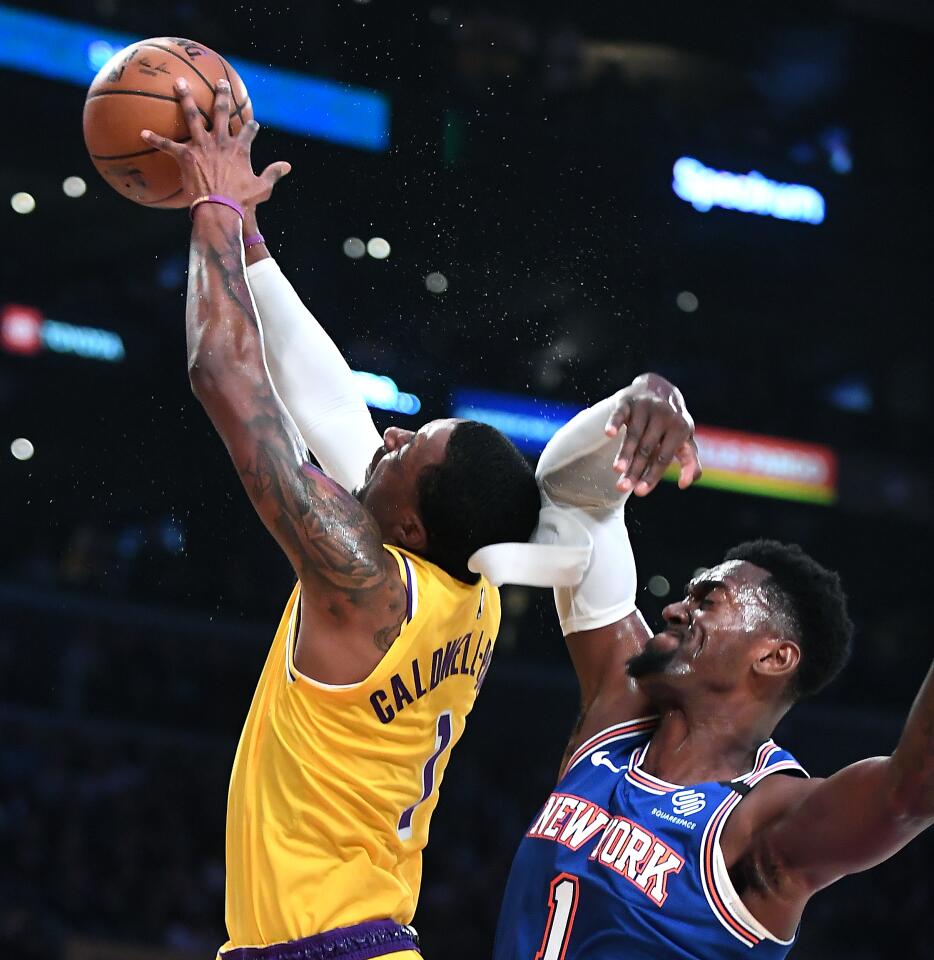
(857, 818)
(586, 472)
(332, 542)
(309, 373)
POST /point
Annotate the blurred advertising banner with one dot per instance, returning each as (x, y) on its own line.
(80, 949)
(767, 466)
(74, 51)
(25, 331)
(529, 422)
(733, 460)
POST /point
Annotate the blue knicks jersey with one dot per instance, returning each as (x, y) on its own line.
(620, 865)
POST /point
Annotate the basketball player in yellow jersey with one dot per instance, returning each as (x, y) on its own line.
(386, 638)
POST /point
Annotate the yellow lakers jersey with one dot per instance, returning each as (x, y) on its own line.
(333, 787)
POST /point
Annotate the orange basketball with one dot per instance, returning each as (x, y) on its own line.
(132, 92)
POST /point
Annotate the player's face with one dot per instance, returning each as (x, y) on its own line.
(390, 487)
(712, 636)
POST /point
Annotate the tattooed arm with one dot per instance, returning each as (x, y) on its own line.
(352, 591)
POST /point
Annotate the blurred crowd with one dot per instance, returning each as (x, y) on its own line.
(111, 838)
(118, 731)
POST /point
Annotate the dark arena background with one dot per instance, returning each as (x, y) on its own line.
(506, 209)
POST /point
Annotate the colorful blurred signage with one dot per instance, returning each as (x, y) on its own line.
(750, 192)
(741, 462)
(74, 52)
(767, 466)
(25, 331)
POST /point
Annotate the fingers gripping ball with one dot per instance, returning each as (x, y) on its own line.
(134, 91)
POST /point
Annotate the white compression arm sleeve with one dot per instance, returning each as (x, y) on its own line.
(576, 467)
(576, 476)
(313, 379)
(317, 388)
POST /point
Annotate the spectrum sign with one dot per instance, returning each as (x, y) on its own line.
(740, 462)
(750, 192)
(26, 332)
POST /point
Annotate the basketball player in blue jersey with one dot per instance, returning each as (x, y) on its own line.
(678, 828)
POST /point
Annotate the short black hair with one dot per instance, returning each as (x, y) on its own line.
(483, 492)
(811, 598)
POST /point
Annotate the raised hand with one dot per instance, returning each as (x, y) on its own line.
(213, 161)
(658, 429)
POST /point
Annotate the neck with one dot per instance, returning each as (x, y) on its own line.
(715, 740)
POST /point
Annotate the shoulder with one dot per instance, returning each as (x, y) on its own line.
(346, 604)
(763, 806)
(341, 638)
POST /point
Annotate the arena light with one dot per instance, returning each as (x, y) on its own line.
(659, 586)
(528, 421)
(687, 301)
(23, 202)
(354, 248)
(853, 394)
(310, 106)
(99, 52)
(739, 462)
(22, 449)
(25, 331)
(378, 248)
(74, 187)
(436, 282)
(381, 392)
(751, 192)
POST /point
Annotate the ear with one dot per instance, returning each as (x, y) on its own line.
(780, 659)
(409, 531)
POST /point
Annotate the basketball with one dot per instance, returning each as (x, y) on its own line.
(132, 92)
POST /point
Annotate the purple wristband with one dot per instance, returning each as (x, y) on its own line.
(252, 240)
(215, 198)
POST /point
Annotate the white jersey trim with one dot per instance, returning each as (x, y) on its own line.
(611, 734)
(745, 934)
(647, 781)
(739, 921)
(732, 901)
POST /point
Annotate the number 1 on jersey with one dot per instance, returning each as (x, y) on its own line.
(562, 906)
(442, 740)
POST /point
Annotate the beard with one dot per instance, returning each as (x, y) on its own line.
(650, 661)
